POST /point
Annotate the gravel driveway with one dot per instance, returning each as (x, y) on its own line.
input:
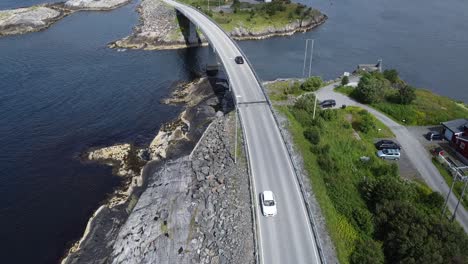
(411, 146)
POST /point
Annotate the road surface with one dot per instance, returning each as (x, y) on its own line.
(287, 237)
(415, 151)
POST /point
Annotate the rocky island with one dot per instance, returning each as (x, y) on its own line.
(161, 28)
(40, 17)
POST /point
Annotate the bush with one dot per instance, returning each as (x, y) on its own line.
(344, 80)
(326, 163)
(367, 251)
(306, 103)
(313, 135)
(329, 115)
(406, 94)
(370, 89)
(362, 219)
(391, 75)
(312, 84)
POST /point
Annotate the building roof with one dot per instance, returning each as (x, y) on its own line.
(457, 125)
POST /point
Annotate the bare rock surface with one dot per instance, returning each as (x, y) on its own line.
(37, 18)
(193, 211)
(95, 4)
(28, 19)
(158, 29)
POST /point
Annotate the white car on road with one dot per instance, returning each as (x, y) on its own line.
(267, 199)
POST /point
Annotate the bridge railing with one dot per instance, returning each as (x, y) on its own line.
(297, 172)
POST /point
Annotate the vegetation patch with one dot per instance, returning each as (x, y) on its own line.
(372, 215)
(404, 103)
(255, 17)
(290, 89)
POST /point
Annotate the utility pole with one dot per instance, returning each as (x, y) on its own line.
(311, 56)
(315, 105)
(305, 56)
(465, 179)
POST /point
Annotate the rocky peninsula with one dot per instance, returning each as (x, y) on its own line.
(161, 28)
(39, 17)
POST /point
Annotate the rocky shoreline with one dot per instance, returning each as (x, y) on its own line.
(160, 29)
(40, 17)
(200, 98)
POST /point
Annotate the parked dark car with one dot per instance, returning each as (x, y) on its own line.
(239, 60)
(328, 103)
(386, 144)
(433, 136)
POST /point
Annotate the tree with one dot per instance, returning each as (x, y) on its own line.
(391, 75)
(370, 89)
(406, 94)
(367, 251)
(344, 80)
(312, 84)
(362, 219)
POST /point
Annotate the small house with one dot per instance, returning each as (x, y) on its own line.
(456, 132)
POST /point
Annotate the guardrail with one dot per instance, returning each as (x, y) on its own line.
(296, 170)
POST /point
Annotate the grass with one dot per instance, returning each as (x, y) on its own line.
(428, 108)
(252, 17)
(337, 190)
(346, 90)
(457, 189)
(280, 90)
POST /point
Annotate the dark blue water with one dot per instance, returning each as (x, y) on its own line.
(62, 91)
(426, 40)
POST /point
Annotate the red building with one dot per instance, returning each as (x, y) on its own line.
(456, 132)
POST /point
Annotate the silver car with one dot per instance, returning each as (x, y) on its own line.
(393, 154)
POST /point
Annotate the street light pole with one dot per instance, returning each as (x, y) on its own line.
(315, 105)
(235, 140)
(465, 179)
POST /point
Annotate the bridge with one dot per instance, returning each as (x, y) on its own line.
(288, 237)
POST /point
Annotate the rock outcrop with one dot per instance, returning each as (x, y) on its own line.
(242, 33)
(29, 19)
(158, 29)
(95, 4)
(40, 17)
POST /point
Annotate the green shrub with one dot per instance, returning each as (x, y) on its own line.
(329, 115)
(407, 94)
(312, 84)
(313, 135)
(370, 89)
(306, 102)
(344, 80)
(327, 164)
(391, 75)
(363, 220)
(367, 251)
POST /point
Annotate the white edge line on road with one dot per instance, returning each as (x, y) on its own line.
(255, 198)
(299, 193)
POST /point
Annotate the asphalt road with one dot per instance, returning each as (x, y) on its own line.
(411, 146)
(287, 237)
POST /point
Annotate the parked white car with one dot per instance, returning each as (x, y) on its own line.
(268, 202)
(393, 154)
